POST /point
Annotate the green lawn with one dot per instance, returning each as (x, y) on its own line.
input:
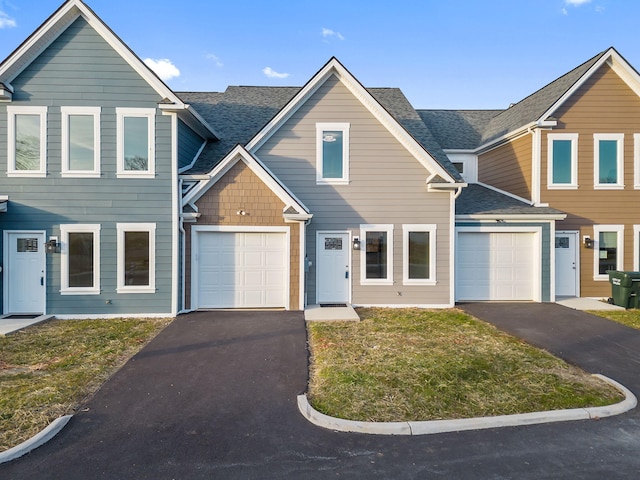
(49, 370)
(630, 318)
(410, 364)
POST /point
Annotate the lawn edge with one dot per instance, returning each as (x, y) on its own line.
(443, 426)
(36, 441)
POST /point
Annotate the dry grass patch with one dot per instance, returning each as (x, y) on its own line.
(49, 370)
(630, 318)
(410, 364)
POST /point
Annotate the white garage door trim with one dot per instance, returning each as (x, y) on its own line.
(536, 253)
(197, 230)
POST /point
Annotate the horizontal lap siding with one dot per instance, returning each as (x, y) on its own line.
(604, 104)
(81, 69)
(508, 167)
(189, 144)
(387, 186)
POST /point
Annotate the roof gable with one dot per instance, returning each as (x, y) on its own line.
(294, 208)
(439, 166)
(57, 23)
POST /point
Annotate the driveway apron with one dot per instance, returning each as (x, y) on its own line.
(214, 397)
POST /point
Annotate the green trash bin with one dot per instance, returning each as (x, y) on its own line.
(625, 288)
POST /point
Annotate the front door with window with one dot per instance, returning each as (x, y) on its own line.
(566, 264)
(333, 279)
(24, 272)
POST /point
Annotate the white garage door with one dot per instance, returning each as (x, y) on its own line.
(241, 270)
(495, 266)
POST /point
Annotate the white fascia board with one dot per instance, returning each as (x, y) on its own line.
(446, 186)
(512, 217)
(57, 22)
(239, 153)
(192, 118)
(334, 67)
(497, 142)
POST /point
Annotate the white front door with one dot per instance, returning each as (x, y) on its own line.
(333, 262)
(24, 272)
(566, 264)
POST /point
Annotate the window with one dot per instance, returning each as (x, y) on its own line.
(608, 162)
(136, 257)
(376, 254)
(636, 160)
(332, 153)
(27, 141)
(608, 250)
(419, 254)
(136, 142)
(80, 141)
(80, 259)
(636, 248)
(562, 155)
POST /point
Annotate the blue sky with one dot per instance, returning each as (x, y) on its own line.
(442, 54)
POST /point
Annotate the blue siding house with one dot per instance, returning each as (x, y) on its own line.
(92, 145)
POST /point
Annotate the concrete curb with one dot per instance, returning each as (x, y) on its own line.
(443, 426)
(36, 441)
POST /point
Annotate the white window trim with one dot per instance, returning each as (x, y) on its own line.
(636, 248)
(636, 161)
(344, 128)
(64, 267)
(12, 111)
(67, 112)
(597, 229)
(150, 115)
(431, 229)
(573, 137)
(122, 228)
(619, 138)
(363, 254)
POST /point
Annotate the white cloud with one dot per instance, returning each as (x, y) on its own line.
(6, 21)
(269, 72)
(577, 3)
(327, 33)
(163, 67)
(215, 59)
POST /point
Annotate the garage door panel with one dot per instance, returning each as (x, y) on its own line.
(241, 270)
(495, 266)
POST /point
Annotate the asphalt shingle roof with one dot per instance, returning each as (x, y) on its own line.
(239, 113)
(478, 200)
(458, 129)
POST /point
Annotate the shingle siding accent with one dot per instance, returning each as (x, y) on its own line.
(241, 189)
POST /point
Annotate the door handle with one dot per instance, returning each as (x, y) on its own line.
(346, 274)
(42, 281)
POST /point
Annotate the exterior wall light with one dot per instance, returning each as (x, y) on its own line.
(356, 243)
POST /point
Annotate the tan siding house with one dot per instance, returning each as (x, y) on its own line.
(509, 167)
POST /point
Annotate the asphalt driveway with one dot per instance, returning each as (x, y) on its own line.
(214, 397)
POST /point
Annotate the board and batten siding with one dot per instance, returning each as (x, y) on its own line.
(387, 185)
(80, 69)
(604, 104)
(509, 167)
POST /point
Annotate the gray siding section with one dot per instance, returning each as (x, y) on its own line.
(81, 69)
(189, 144)
(387, 186)
(545, 254)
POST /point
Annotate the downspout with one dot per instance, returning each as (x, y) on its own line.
(183, 241)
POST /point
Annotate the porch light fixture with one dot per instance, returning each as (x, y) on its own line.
(52, 246)
(356, 243)
(588, 242)
(241, 212)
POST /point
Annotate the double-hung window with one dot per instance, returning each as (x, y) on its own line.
(80, 141)
(419, 254)
(332, 153)
(136, 257)
(562, 155)
(376, 255)
(27, 141)
(608, 160)
(80, 268)
(608, 250)
(135, 142)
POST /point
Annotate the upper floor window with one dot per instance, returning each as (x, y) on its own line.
(80, 141)
(608, 160)
(27, 141)
(562, 155)
(419, 254)
(136, 142)
(332, 153)
(636, 160)
(376, 261)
